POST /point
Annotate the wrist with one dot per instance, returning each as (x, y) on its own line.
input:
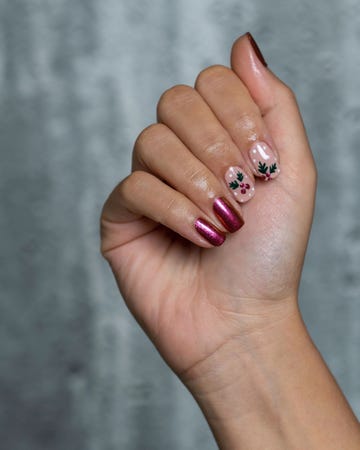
(273, 387)
(241, 367)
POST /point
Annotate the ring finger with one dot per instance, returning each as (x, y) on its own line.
(160, 152)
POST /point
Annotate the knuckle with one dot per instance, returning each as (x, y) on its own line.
(149, 139)
(200, 178)
(170, 208)
(287, 93)
(171, 205)
(174, 97)
(132, 183)
(215, 146)
(149, 134)
(212, 75)
(246, 121)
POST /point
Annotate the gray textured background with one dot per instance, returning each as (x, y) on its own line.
(78, 82)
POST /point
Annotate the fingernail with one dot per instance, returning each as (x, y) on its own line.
(209, 232)
(264, 161)
(227, 215)
(240, 184)
(256, 49)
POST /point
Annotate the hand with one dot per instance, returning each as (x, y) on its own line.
(226, 318)
(190, 299)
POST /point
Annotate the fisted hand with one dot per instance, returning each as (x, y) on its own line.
(206, 238)
(227, 165)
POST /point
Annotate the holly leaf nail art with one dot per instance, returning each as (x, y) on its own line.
(239, 176)
(234, 184)
(273, 168)
(262, 167)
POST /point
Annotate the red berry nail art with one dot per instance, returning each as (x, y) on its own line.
(240, 184)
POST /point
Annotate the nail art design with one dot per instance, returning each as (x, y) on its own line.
(209, 232)
(227, 215)
(264, 161)
(240, 184)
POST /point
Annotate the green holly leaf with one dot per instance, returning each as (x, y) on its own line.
(239, 176)
(234, 184)
(273, 168)
(262, 167)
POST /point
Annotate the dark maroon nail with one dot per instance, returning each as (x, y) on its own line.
(209, 232)
(227, 215)
(256, 49)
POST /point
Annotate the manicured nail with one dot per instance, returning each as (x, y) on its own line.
(227, 215)
(264, 161)
(209, 232)
(256, 49)
(240, 184)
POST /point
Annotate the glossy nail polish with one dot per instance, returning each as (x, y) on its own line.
(227, 215)
(209, 232)
(264, 161)
(240, 184)
(256, 49)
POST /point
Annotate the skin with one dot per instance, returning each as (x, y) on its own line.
(226, 319)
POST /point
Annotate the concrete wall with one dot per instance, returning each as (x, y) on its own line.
(78, 81)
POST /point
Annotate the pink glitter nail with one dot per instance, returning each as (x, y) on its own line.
(209, 232)
(227, 215)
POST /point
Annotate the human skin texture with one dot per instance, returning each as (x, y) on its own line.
(223, 313)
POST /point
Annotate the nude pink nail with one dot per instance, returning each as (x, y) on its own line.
(240, 184)
(264, 161)
(209, 232)
(227, 215)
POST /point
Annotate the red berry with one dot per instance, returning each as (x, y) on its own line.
(243, 191)
(241, 185)
(247, 185)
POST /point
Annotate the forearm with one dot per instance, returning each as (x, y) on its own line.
(273, 390)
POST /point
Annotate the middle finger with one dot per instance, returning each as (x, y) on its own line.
(187, 114)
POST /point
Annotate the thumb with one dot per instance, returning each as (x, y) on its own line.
(277, 104)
